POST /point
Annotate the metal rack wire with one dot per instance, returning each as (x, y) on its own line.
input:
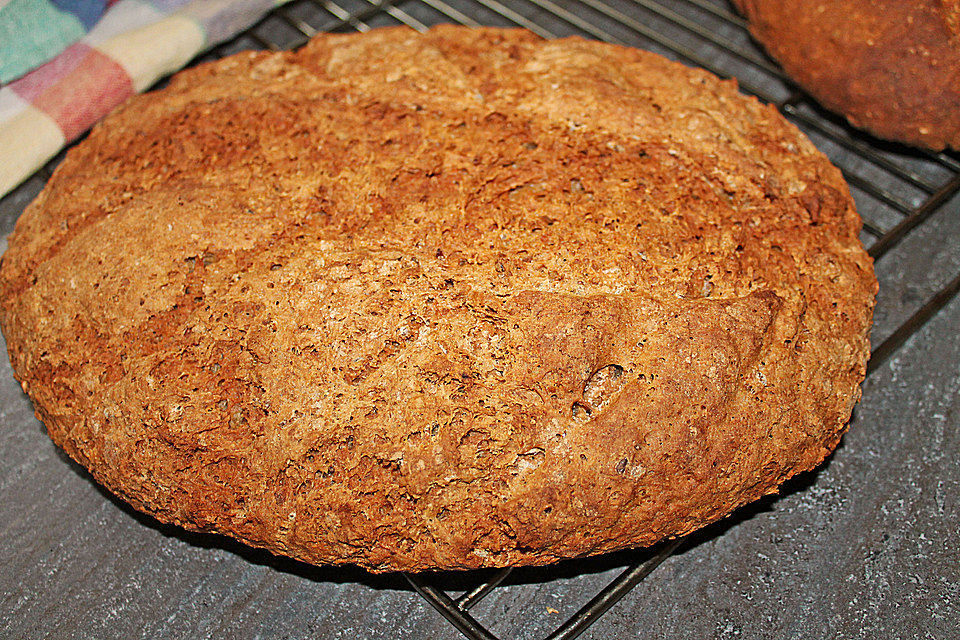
(704, 33)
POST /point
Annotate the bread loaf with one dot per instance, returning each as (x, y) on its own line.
(891, 67)
(443, 301)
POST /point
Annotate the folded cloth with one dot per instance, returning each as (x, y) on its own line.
(34, 31)
(132, 45)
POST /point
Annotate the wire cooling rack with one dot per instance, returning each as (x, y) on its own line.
(896, 189)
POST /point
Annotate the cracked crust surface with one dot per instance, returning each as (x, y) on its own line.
(454, 300)
(891, 67)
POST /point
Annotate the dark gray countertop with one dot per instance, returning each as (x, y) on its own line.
(866, 546)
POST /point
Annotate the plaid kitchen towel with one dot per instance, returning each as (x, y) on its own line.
(33, 31)
(97, 53)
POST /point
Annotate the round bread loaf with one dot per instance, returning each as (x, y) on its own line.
(460, 299)
(891, 67)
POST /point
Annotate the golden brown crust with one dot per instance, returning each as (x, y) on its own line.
(891, 67)
(475, 300)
